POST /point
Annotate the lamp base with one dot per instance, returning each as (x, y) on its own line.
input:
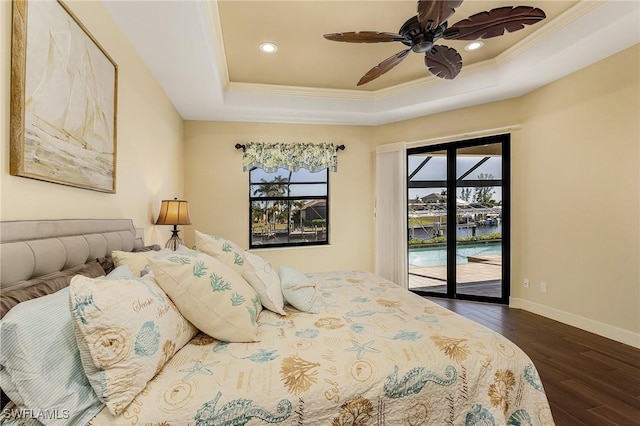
(175, 241)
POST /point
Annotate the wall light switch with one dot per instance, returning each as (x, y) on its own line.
(525, 283)
(543, 287)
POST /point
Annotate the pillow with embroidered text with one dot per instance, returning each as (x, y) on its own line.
(126, 328)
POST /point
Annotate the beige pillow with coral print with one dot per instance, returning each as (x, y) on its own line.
(255, 270)
(222, 249)
(211, 295)
(126, 330)
(136, 261)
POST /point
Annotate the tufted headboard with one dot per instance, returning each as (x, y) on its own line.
(34, 248)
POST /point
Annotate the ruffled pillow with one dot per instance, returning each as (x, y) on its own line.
(126, 328)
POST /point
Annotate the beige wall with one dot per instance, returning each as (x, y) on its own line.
(575, 179)
(580, 195)
(575, 192)
(149, 146)
(217, 190)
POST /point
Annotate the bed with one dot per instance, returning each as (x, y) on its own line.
(346, 348)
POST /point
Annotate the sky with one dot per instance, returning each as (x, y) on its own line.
(436, 169)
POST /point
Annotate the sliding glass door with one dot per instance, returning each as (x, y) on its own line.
(427, 220)
(474, 264)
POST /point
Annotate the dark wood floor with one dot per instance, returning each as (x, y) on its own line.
(589, 380)
(491, 288)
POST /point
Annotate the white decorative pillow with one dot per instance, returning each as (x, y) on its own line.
(222, 249)
(126, 330)
(211, 295)
(265, 281)
(298, 291)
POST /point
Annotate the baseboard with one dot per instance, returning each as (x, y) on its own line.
(605, 330)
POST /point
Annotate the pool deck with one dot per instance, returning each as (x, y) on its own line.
(479, 269)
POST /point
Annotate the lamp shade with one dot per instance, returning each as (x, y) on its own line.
(174, 212)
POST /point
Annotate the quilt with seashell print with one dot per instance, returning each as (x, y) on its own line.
(375, 354)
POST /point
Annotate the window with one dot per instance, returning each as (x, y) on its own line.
(288, 208)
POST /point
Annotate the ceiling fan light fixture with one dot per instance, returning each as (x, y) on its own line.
(474, 45)
(268, 48)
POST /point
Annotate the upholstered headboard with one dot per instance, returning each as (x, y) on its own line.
(34, 248)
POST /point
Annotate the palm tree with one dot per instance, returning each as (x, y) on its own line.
(296, 213)
(273, 188)
(484, 195)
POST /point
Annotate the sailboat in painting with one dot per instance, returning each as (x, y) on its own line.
(68, 130)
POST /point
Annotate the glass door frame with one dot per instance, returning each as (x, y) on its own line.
(451, 149)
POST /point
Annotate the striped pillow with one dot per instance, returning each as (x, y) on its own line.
(40, 364)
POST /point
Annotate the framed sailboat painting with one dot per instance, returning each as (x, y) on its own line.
(63, 99)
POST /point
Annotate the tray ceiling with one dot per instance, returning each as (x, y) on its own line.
(205, 55)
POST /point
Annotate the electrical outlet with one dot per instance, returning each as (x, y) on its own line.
(543, 287)
(525, 283)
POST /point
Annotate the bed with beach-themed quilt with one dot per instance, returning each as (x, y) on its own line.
(218, 336)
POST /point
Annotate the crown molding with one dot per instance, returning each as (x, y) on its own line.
(300, 91)
(213, 15)
(548, 29)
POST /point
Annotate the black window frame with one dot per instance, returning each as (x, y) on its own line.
(288, 198)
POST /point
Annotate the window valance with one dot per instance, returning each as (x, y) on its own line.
(290, 156)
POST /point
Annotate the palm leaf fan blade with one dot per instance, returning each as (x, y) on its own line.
(432, 13)
(494, 23)
(364, 37)
(383, 67)
(443, 61)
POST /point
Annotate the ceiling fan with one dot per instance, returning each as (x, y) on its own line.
(421, 31)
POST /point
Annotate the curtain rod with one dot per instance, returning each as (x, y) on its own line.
(244, 147)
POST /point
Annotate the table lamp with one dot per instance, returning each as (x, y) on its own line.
(174, 212)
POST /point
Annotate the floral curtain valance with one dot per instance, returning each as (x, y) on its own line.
(290, 156)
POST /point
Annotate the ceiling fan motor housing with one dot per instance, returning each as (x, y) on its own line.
(419, 39)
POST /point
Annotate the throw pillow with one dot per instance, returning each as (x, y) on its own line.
(211, 295)
(265, 281)
(298, 291)
(222, 249)
(126, 330)
(137, 261)
(40, 365)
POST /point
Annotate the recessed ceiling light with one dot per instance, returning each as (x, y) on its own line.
(474, 45)
(268, 47)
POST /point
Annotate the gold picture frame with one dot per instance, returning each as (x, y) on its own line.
(64, 92)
